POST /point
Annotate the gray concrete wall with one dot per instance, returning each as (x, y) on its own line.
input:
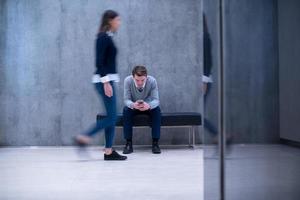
(2, 53)
(46, 94)
(289, 68)
(251, 69)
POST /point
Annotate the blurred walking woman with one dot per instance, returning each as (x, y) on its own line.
(103, 79)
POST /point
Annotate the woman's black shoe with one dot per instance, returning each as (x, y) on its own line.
(114, 156)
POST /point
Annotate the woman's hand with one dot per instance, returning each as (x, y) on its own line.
(204, 88)
(108, 89)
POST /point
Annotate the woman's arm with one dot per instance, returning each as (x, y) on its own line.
(101, 48)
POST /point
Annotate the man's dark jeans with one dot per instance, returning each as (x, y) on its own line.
(128, 115)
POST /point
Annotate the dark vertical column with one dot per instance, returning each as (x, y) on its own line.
(221, 101)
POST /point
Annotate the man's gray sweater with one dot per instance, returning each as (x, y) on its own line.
(149, 93)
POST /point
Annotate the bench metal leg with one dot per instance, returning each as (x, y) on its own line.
(193, 131)
(190, 132)
(192, 138)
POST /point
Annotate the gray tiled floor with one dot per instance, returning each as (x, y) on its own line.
(58, 173)
(260, 172)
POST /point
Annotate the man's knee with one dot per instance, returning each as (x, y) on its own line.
(156, 110)
(127, 114)
(127, 110)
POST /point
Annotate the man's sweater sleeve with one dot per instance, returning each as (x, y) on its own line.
(154, 96)
(127, 94)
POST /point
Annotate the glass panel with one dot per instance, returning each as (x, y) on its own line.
(258, 165)
(261, 98)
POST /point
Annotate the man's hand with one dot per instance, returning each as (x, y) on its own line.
(108, 89)
(141, 106)
(137, 105)
(145, 106)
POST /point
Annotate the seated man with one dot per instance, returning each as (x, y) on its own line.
(141, 97)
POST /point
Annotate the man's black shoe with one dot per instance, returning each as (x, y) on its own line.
(114, 156)
(155, 148)
(128, 148)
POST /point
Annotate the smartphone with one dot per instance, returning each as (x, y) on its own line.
(140, 101)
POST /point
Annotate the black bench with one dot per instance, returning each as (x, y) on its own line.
(181, 119)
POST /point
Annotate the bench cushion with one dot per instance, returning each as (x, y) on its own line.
(168, 119)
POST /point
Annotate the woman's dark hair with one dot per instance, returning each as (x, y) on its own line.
(107, 16)
(139, 71)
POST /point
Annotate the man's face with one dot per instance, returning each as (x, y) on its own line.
(140, 80)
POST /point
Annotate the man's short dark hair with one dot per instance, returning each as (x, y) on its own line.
(139, 70)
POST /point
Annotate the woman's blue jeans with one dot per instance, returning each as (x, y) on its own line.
(108, 123)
